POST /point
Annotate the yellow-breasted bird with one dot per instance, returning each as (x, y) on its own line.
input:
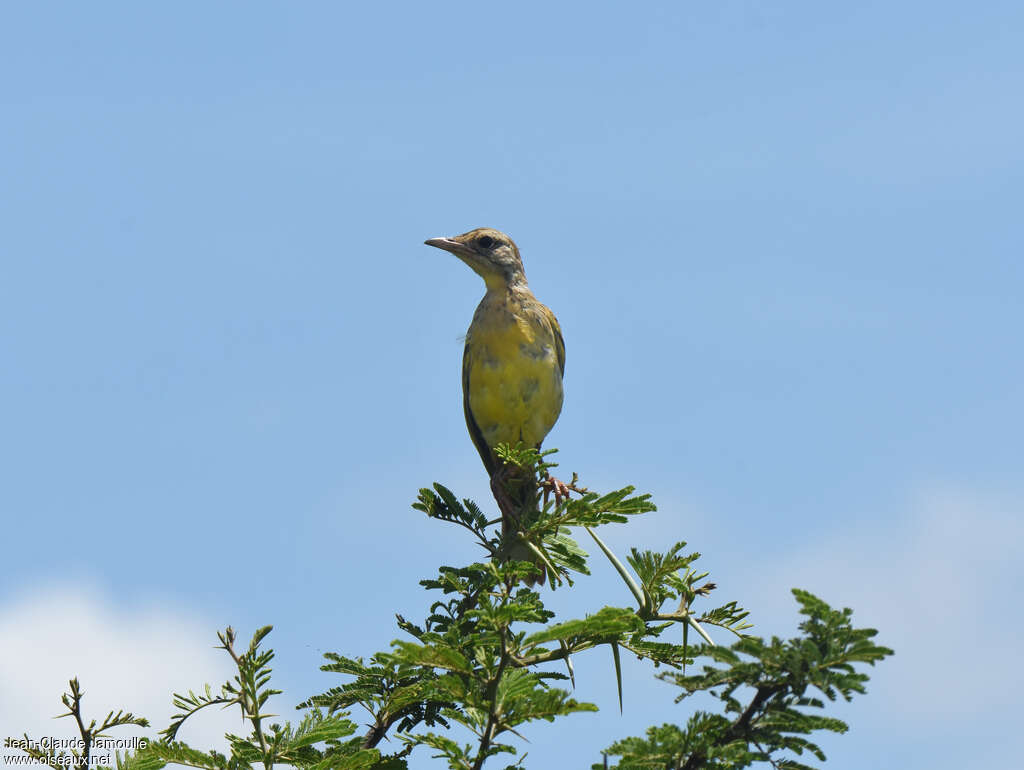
(512, 367)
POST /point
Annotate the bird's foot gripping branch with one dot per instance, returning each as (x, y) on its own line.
(488, 659)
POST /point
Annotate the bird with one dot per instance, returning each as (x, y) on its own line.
(512, 369)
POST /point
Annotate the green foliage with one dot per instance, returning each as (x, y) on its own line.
(483, 665)
(267, 745)
(775, 713)
(271, 745)
(89, 734)
(487, 654)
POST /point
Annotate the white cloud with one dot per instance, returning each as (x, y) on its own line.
(125, 659)
(940, 584)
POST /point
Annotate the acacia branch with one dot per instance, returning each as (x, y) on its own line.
(740, 726)
(492, 716)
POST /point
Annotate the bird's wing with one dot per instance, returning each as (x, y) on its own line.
(474, 430)
(559, 342)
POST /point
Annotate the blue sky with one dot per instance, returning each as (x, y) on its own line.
(784, 244)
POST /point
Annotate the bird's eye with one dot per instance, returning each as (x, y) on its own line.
(485, 241)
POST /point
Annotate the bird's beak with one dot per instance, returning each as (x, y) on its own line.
(448, 244)
(459, 249)
(477, 262)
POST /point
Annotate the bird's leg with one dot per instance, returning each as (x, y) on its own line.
(560, 488)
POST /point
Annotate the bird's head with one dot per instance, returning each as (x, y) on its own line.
(491, 253)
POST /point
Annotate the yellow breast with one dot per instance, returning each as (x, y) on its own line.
(512, 373)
